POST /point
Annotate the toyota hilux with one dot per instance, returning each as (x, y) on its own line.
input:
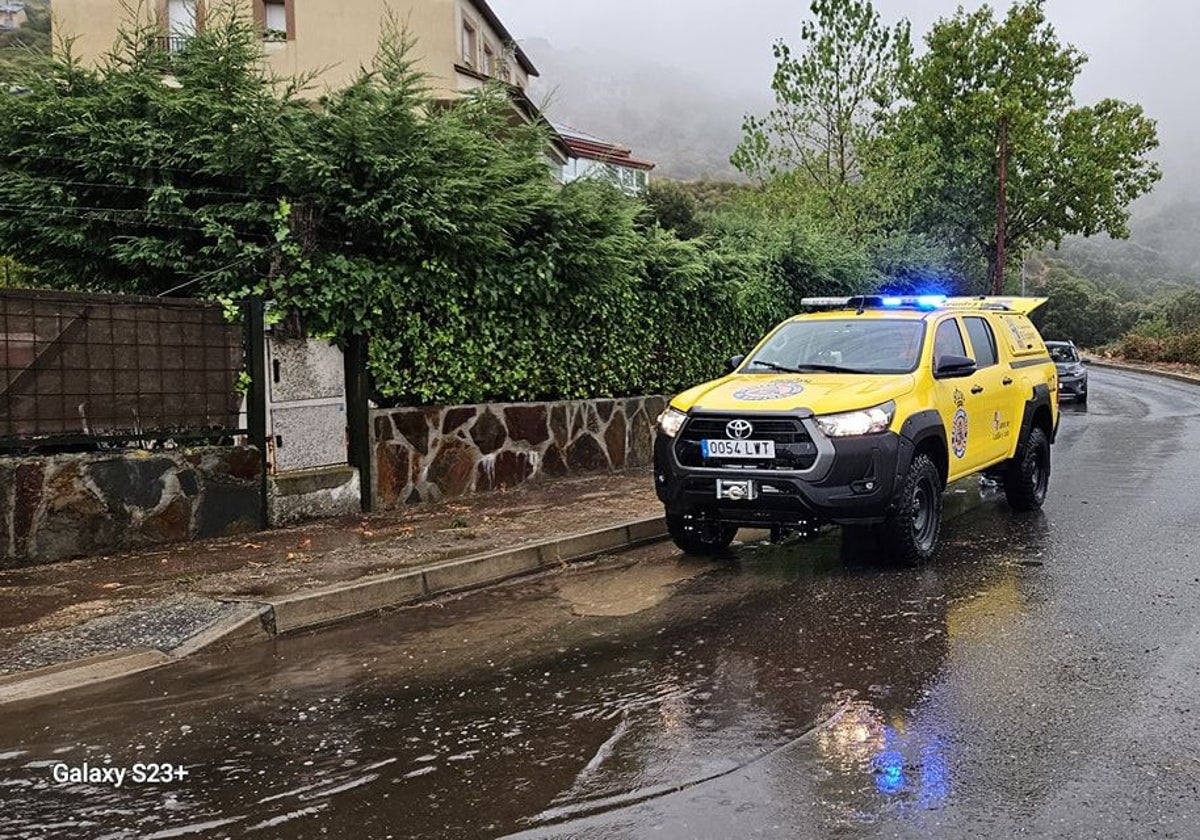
(859, 413)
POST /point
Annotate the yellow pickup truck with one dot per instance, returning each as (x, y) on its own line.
(859, 413)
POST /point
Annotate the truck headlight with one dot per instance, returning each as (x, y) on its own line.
(866, 422)
(671, 421)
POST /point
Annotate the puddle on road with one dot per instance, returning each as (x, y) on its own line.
(629, 589)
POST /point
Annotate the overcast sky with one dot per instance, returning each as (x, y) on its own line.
(1147, 51)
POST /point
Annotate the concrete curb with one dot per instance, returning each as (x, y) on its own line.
(1092, 361)
(68, 676)
(261, 621)
(314, 608)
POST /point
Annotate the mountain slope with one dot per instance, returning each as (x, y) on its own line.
(664, 115)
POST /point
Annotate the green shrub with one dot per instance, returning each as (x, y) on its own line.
(1180, 348)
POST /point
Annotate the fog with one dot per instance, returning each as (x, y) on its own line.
(1144, 52)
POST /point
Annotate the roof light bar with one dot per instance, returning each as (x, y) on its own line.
(876, 302)
(925, 302)
(826, 302)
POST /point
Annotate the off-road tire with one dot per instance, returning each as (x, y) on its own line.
(1027, 476)
(909, 535)
(702, 538)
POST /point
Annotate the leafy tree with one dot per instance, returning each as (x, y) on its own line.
(714, 195)
(829, 99)
(674, 208)
(13, 275)
(991, 92)
(1183, 311)
(1079, 311)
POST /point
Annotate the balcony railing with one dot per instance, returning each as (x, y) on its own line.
(172, 43)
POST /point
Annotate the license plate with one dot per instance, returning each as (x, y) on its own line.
(748, 449)
(737, 491)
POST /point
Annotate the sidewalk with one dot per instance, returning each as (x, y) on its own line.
(1178, 372)
(158, 599)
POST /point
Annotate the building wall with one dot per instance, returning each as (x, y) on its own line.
(466, 11)
(430, 454)
(333, 40)
(336, 43)
(13, 17)
(92, 25)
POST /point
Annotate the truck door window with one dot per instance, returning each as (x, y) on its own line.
(983, 341)
(948, 340)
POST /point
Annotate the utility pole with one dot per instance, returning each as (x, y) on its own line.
(1001, 210)
(256, 399)
(358, 415)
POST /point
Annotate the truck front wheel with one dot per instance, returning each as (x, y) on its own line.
(1027, 476)
(910, 532)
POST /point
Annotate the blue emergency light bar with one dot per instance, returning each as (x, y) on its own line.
(877, 302)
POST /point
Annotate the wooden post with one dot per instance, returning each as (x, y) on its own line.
(1001, 210)
(256, 397)
(358, 416)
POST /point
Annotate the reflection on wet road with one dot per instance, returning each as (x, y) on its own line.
(1037, 679)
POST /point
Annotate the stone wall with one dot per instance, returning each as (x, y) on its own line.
(429, 454)
(300, 495)
(56, 507)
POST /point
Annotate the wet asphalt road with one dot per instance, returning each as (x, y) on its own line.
(1041, 678)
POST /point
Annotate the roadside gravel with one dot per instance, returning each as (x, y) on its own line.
(163, 625)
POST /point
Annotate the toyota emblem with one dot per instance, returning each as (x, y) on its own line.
(739, 429)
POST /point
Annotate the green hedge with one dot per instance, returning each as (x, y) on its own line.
(601, 306)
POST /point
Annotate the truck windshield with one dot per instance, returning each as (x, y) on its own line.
(864, 346)
(1062, 353)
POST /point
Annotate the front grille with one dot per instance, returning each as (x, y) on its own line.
(794, 447)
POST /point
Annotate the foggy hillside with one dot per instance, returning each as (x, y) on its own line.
(1162, 250)
(689, 128)
(665, 115)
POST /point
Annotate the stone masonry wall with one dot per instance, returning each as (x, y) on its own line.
(429, 454)
(55, 507)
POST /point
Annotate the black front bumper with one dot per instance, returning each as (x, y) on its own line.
(857, 488)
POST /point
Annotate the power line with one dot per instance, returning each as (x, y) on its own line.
(93, 163)
(113, 215)
(215, 272)
(37, 180)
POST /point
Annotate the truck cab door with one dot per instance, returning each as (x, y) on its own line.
(997, 402)
(959, 401)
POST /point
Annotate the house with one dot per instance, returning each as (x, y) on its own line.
(12, 15)
(460, 44)
(591, 157)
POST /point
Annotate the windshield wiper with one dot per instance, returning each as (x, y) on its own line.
(829, 369)
(773, 366)
(808, 368)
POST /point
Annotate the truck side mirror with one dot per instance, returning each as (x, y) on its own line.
(953, 367)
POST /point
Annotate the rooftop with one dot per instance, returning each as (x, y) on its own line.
(588, 146)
